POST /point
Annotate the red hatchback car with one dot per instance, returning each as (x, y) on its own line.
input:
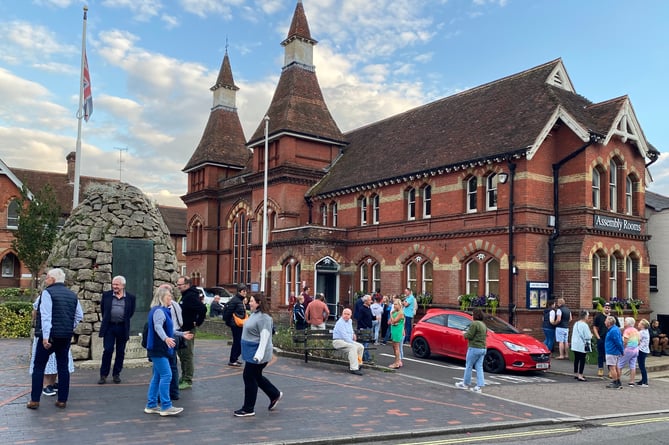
(440, 332)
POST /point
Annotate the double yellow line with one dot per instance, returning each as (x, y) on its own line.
(516, 434)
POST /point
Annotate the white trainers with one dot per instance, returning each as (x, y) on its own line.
(154, 410)
(460, 385)
(171, 411)
(476, 389)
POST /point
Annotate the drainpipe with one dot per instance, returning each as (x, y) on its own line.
(556, 209)
(310, 205)
(512, 258)
(218, 242)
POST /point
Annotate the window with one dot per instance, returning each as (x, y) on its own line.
(472, 278)
(419, 275)
(184, 244)
(333, 208)
(7, 266)
(370, 275)
(411, 204)
(491, 192)
(653, 278)
(292, 272)
(596, 266)
(426, 281)
(613, 277)
(375, 209)
(13, 215)
(362, 203)
(596, 195)
(427, 201)
(183, 271)
(613, 189)
(629, 278)
(629, 202)
(492, 277)
(324, 215)
(241, 251)
(472, 184)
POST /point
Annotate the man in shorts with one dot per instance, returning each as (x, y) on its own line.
(613, 345)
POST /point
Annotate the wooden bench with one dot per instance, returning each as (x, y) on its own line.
(321, 340)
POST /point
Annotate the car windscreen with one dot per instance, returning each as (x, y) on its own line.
(498, 325)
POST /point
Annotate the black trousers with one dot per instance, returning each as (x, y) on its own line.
(253, 379)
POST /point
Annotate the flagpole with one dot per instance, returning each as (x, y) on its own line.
(264, 211)
(80, 116)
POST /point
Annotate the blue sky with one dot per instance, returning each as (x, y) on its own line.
(152, 63)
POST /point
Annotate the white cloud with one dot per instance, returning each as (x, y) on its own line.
(204, 8)
(143, 10)
(25, 42)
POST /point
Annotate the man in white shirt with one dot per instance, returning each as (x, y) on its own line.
(343, 337)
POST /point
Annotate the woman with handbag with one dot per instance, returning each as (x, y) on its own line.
(257, 352)
(581, 344)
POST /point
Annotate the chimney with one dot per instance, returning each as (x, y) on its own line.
(71, 159)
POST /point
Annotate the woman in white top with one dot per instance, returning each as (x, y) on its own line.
(581, 344)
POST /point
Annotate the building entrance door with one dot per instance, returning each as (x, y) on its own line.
(327, 282)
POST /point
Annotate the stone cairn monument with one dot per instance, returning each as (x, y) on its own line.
(83, 250)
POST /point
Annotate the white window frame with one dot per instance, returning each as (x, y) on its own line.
(411, 204)
(184, 245)
(427, 283)
(489, 280)
(324, 215)
(472, 197)
(427, 201)
(376, 210)
(613, 276)
(491, 192)
(629, 277)
(362, 202)
(596, 268)
(629, 196)
(333, 208)
(13, 215)
(596, 189)
(469, 279)
(613, 186)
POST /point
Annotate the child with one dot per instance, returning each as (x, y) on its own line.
(644, 350)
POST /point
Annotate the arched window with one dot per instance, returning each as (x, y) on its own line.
(596, 189)
(333, 209)
(370, 275)
(427, 201)
(596, 268)
(292, 272)
(419, 275)
(13, 215)
(472, 185)
(613, 186)
(630, 271)
(472, 271)
(195, 234)
(411, 203)
(375, 209)
(629, 196)
(613, 276)
(324, 215)
(241, 251)
(492, 277)
(9, 266)
(362, 204)
(482, 275)
(491, 192)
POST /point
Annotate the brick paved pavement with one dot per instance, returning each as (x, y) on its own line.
(322, 404)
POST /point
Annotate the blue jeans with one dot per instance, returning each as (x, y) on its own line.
(474, 360)
(641, 361)
(407, 329)
(376, 325)
(160, 383)
(550, 339)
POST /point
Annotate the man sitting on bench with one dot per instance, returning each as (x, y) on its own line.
(344, 338)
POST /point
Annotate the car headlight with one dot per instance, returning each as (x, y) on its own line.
(515, 347)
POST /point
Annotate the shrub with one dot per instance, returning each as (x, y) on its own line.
(15, 319)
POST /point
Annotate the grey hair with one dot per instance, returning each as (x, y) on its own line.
(611, 319)
(120, 278)
(366, 297)
(629, 321)
(57, 274)
(159, 296)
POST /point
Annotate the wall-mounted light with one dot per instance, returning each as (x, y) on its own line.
(502, 177)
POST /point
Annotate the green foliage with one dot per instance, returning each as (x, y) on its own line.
(38, 227)
(424, 300)
(16, 294)
(15, 319)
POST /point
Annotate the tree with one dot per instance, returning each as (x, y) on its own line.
(37, 230)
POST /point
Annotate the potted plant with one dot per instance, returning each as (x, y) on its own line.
(618, 305)
(465, 301)
(598, 303)
(424, 300)
(634, 304)
(492, 302)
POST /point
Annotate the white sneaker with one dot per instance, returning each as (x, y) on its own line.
(476, 389)
(172, 411)
(154, 410)
(460, 385)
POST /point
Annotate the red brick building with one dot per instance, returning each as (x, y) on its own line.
(520, 188)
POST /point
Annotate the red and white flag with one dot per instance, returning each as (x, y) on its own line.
(88, 93)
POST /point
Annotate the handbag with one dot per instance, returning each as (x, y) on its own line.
(588, 346)
(239, 321)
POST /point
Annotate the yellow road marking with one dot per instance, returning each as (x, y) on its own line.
(498, 436)
(636, 421)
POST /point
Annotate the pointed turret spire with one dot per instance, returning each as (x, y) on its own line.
(223, 142)
(298, 105)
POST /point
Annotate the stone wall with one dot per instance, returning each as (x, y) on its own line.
(84, 251)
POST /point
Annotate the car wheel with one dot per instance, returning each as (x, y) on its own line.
(493, 362)
(420, 348)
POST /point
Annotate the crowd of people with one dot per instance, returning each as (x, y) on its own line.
(618, 342)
